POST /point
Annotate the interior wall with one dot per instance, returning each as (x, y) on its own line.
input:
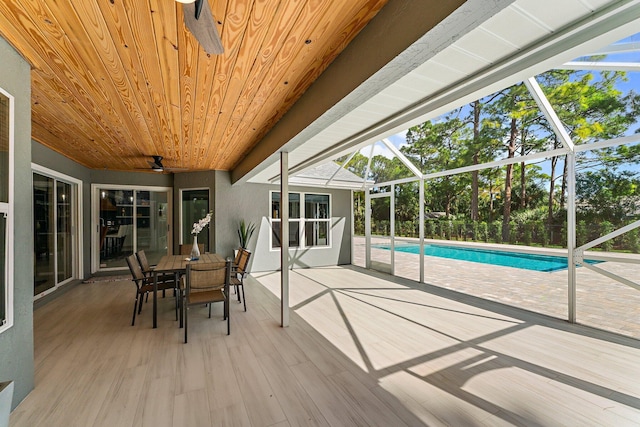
(16, 343)
(251, 202)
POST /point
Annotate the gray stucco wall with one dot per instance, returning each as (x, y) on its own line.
(251, 202)
(16, 343)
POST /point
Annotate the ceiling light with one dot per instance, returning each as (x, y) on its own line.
(185, 1)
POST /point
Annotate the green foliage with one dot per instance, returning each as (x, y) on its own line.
(541, 233)
(429, 230)
(581, 233)
(245, 231)
(632, 241)
(605, 228)
(483, 231)
(527, 237)
(495, 231)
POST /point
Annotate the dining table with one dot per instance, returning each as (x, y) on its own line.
(176, 264)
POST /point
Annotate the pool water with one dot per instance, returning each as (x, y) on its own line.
(545, 263)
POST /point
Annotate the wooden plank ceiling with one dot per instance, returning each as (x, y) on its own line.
(116, 81)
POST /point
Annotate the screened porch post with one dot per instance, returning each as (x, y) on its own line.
(421, 228)
(571, 234)
(367, 227)
(284, 239)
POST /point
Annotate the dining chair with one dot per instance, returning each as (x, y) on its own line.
(147, 269)
(240, 270)
(206, 283)
(144, 285)
(186, 248)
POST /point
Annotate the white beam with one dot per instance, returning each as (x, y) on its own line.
(600, 66)
(548, 111)
(284, 239)
(613, 276)
(571, 236)
(608, 143)
(341, 167)
(417, 172)
(421, 228)
(497, 163)
(620, 47)
(609, 236)
(368, 169)
(367, 227)
(392, 226)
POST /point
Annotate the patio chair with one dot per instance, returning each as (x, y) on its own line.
(206, 283)
(144, 285)
(186, 248)
(147, 269)
(239, 272)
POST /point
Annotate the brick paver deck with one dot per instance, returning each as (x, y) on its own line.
(602, 303)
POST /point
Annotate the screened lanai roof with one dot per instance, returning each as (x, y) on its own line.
(479, 49)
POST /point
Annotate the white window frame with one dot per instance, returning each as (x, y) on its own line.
(301, 221)
(95, 218)
(7, 209)
(182, 239)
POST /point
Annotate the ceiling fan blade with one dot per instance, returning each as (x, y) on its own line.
(203, 27)
(198, 8)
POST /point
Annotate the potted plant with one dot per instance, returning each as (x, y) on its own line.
(245, 230)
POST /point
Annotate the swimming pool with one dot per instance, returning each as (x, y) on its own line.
(544, 263)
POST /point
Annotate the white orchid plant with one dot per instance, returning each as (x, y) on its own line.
(201, 224)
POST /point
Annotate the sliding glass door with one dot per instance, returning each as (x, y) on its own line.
(129, 219)
(55, 242)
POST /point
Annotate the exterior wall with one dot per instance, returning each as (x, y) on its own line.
(16, 343)
(251, 202)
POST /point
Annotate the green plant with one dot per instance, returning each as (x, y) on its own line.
(244, 233)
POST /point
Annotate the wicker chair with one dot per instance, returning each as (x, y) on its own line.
(206, 283)
(238, 273)
(144, 285)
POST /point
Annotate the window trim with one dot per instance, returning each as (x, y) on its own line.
(8, 210)
(302, 220)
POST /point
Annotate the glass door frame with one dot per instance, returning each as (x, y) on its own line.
(77, 260)
(182, 239)
(369, 262)
(95, 219)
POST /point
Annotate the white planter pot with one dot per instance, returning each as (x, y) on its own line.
(6, 395)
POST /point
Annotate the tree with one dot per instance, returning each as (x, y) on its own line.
(435, 147)
(591, 108)
(608, 195)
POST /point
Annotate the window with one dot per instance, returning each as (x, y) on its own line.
(316, 213)
(308, 221)
(6, 180)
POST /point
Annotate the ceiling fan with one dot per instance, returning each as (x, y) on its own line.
(157, 166)
(199, 20)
